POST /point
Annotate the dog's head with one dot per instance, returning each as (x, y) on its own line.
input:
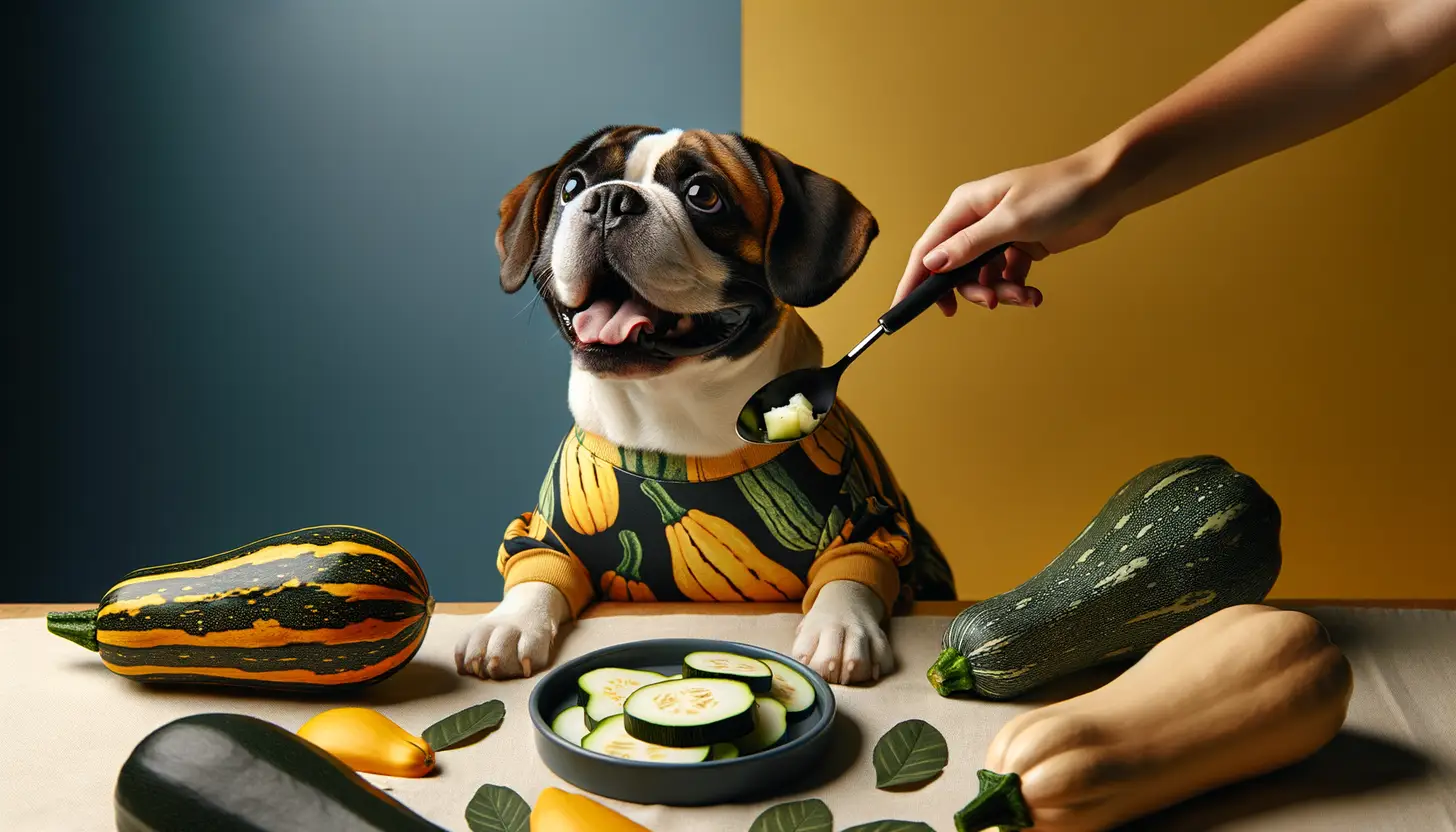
(652, 247)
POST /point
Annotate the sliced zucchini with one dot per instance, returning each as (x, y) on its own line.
(722, 751)
(791, 689)
(770, 724)
(709, 664)
(611, 738)
(670, 678)
(690, 712)
(570, 724)
(602, 691)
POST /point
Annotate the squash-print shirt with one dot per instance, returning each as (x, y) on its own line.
(768, 523)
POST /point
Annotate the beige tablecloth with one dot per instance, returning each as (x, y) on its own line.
(69, 725)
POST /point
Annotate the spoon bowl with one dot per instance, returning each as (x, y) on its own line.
(820, 385)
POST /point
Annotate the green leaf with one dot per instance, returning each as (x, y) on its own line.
(911, 752)
(456, 728)
(497, 809)
(891, 826)
(800, 816)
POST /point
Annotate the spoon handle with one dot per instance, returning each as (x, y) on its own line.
(922, 296)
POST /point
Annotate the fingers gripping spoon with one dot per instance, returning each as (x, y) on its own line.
(820, 385)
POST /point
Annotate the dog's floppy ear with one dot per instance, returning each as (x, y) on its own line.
(524, 213)
(818, 232)
(519, 234)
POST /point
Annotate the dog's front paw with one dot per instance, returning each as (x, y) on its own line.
(840, 636)
(515, 638)
(505, 645)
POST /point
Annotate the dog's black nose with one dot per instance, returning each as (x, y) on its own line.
(616, 202)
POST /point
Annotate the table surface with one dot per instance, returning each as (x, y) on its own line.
(1391, 769)
(607, 608)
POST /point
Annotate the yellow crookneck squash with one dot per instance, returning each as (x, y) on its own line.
(713, 560)
(559, 811)
(589, 498)
(1243, 692)
(367, 740)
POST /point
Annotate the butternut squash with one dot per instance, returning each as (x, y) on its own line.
(1242, 692)
(367, 740)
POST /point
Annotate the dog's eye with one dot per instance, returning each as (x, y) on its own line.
(574, 184)
(704, 197)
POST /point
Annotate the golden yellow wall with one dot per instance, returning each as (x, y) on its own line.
(1297, 316)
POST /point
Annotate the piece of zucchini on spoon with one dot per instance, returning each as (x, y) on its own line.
(690, 712)
(711, 664)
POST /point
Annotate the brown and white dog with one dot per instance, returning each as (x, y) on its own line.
(671, 261)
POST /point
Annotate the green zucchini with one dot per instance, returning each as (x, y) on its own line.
(570, 724)
(782, 506)
(610, 737)
(235, 773)
(791, 689)
(602, 691)
(770, 723)
(723, 751)
(1176, 543)
(711, 664)
(690, 712)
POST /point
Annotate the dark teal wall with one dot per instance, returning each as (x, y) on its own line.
(259, 289)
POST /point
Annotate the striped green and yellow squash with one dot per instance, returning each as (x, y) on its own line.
(327, 606)
(1177, 543)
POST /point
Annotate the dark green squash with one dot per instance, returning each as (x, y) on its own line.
(324, 607)
(236, 773)
(1175, 544)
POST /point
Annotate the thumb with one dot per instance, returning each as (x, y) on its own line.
(969, 243)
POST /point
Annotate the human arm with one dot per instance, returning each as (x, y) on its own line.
(1321, 65)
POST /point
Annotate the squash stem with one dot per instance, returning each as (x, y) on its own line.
(951, 673)
(998, 804)
(79, 627)
(671, 512)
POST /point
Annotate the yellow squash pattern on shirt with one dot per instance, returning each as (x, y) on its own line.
(825, 446)
(712, 560)
(589, 498)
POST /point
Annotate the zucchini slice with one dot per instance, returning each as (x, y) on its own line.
(602, 691)
(708, 664)
(791, 689)
(611, 738)
(570, 724)
(770, 725)
(690, 712)
(722, 751)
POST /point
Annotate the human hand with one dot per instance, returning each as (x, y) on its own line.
(1042, 209)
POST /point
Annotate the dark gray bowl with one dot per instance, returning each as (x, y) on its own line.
(750, 777)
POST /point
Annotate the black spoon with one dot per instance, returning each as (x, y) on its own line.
(820, 385)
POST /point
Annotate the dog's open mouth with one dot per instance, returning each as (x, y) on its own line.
(618, 319)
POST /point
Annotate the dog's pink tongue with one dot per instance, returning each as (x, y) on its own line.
(609, 322)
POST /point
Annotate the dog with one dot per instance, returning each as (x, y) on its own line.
(672, 263)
